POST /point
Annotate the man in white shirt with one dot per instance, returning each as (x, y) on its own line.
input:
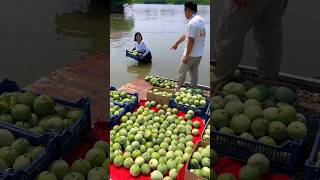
(194, 38)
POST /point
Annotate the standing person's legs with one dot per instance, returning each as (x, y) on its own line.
(268, 32)
(232, 29)
(182, 72)
(194, 70)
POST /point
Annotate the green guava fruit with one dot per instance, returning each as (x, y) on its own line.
(60, 168)
(21, 112)
(44, 105)
(81, 166)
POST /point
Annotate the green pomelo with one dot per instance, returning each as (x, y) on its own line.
(249, 173)
(21, 112)
(270, 113)
(286, 114)
(6, 138)
(278, 131)
(260, 162)
(98, 173)
(297, 130)
(81, 166)
(96, 157)
(253, 112)
(44, 105)
(74, 176)
(60, 168)
(240, 123)
(21, 162)
(27, 98)
(220, 118)
(21, 145)
(46, 175)
(267, 140)
(259, 127)
(233, 108)
(284, 94)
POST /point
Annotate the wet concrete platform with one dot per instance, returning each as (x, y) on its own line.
(141, 86)
(86, 77)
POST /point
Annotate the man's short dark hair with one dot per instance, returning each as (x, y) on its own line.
(191, 5)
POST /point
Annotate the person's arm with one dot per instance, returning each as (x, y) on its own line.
(146, 49)
(180, 40)
(191, 36)
(189, 49)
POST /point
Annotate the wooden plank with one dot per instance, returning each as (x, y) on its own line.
(86, 77)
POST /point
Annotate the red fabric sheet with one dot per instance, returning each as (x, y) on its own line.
(124, 174)
(227, 165)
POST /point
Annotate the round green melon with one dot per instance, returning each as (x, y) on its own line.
(270, 113)
(240, 123)
(284, 94)
(297, 130)
(44, 105)
(255, 93)
(27, 98)
(259, 127)
(21, 112)
(249, 173)
(233, 108)
(286, 114)
(267, 140)
(81, 166)
(260, 162)
(253, 112)
(6, 138)
(278, 131)
(226, 176)
(220, 118)
(60, 168)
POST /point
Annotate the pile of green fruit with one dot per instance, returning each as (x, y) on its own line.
(190, 97)
(160, 93)
(94, 166)
(121, 97)
(206, 133)
(115, 109)
(272, 125)
(200, 162)
(156, 143)
(134, 52)
(38, 114)
(16, 153)
(264, 94)
(160, 82)
(257, 165)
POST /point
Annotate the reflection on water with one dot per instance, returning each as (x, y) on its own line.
(140, 69)
(47, 34)
(161, 26)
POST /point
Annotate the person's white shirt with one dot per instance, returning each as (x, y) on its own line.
(142, 47)
(196, 29)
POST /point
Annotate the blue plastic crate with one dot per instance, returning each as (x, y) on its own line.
(3, 175)
(65, 139)
(135, 57)
(129, 106)
(283, 159)
(40, 163)
(311, 171)
(115, 119)
(200, 111)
